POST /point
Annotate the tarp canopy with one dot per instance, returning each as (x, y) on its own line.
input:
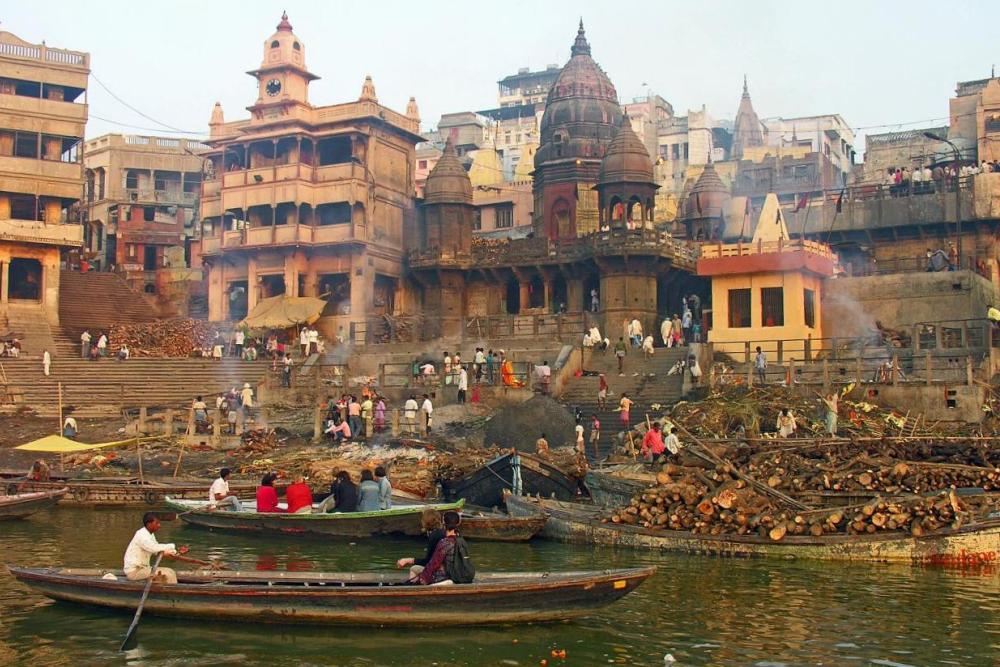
(56, 444)
(281, 312)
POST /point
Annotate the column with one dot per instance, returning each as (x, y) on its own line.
(4, 282)
(253, 288)
(525, 295)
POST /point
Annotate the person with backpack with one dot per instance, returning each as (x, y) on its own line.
(450, 563)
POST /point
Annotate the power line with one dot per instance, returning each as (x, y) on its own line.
(132, 108)
(140, 127)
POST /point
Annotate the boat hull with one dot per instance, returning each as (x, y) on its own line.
(610, 490)
(396, 521)
(486, 486)
(580, 524)
(25, 504)
(119, 493)
(333, 599)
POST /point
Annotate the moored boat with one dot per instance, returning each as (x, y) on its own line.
(400, 520)
(480, 523)
(615, 486)
(521, 473)
(580, 523)
(362, 599)
(113, 492)
(20, 505)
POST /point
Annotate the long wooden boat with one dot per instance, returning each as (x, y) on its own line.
(400, 520)
(111, 491)
(519, 472)
(580, 523)
(21, 505)
(614, 488)
(363, 599)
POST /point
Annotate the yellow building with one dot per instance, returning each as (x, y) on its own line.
(43, 111)
(767, 290)
(307, 200)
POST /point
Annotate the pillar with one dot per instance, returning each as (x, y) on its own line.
(4, 282)
(4, 204)
(629, 295)
(253, 288)
(525, 295)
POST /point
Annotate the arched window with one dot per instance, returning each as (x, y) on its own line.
(275, 44)
(149, 288)
(295, 45)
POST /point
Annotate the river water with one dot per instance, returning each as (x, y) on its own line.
(702, 611)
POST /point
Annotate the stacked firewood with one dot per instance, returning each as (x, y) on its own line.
(259, 441)
(734, 508)
(893, 337)
(179, 337)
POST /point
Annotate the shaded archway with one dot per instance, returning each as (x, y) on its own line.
(25, 279)
(513, 300)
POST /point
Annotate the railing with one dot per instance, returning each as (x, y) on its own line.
(45, 53)
(720, 250)
(405, 376)
(499, 327)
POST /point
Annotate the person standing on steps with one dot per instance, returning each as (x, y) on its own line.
(46, 362)
(602, 391)
(85, 344)
(620, 352)
(760, 365)
(463, 384)
(428, 409)
(665, 326)
(238, 342)
(102, 345)
(595, 433)
(624, 408)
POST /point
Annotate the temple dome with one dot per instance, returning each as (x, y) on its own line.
(709, 197)
(626, 160)
(581, 111)
(448, 182)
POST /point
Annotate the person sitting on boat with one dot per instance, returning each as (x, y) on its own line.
(299, 496)
(430, 523)
(39, 471)
(368, 492)
(437, 571)
(267, 497)
(142, 547)
(345, 492)
(218, 494)
(384, 489)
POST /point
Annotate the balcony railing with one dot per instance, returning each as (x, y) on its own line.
(279, 235)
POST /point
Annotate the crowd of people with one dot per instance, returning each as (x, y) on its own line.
(923, 179)
(348, 418)
(487, 367)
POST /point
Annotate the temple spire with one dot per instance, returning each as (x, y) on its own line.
(368, 90)
(580, 45)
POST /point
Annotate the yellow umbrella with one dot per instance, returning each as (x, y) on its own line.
(56, 444)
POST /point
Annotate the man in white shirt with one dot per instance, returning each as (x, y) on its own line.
(673, 442)
(304, 341)
(313, 341)
(428, 409)
(102, 345)
(218, 494)
(85, 344)
(240, 339)
(410, 414)
(246, 399)
(142, 547)
(463, 384)
(544, 373)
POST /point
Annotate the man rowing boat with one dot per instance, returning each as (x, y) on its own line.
(143, 546)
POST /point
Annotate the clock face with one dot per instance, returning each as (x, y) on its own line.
(273, 87)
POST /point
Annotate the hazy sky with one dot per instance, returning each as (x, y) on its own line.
(874, 63)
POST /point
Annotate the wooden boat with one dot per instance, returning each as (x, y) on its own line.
(521, 473)
(615, 487)
(20, 505)
(580, 523)
(480, 523)
(363, 599)
(118, 491)
(400, 520)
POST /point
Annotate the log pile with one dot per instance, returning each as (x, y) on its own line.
(732, 508)
(178, 337)
(259, 441)
(893, 337)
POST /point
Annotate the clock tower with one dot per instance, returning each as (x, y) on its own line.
(282, 79)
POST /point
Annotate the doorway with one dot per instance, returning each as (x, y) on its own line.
(149, 258)
(25, 279)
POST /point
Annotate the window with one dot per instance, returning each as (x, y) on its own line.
(149, 213)
(275, 44)
(505, 217)
(772, 306)
(675, 151)
(686, 151)
(131, 180)
(809, 307)
(739, 308)
(477, 220)
(25, 145)
(422, 164)
(130, 249)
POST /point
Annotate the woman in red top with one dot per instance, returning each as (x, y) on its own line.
(299, 496)
(267, 497)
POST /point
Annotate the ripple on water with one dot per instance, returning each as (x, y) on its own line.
(703, 611)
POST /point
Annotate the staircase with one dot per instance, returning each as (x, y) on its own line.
(645, 381)
(95, 301)
(32, 327)
(101, 388)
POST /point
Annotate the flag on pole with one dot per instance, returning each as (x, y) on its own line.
(840, 200)
(803, 202)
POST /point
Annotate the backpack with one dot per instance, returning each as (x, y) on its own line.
(458, 565)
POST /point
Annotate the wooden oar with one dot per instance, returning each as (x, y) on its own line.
(142, 601)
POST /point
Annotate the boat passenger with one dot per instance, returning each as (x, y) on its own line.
(430, 522)
(384, 489)
(436, 573)
(267, 497)
(345, 492)
(144, 545)
(368, 492)
(218, 495)
(299, 496)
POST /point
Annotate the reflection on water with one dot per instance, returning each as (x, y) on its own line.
(702, 611)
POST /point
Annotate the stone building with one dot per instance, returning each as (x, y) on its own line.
(43, 111)
(141, 197)
(592, 230)
(307, 200)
